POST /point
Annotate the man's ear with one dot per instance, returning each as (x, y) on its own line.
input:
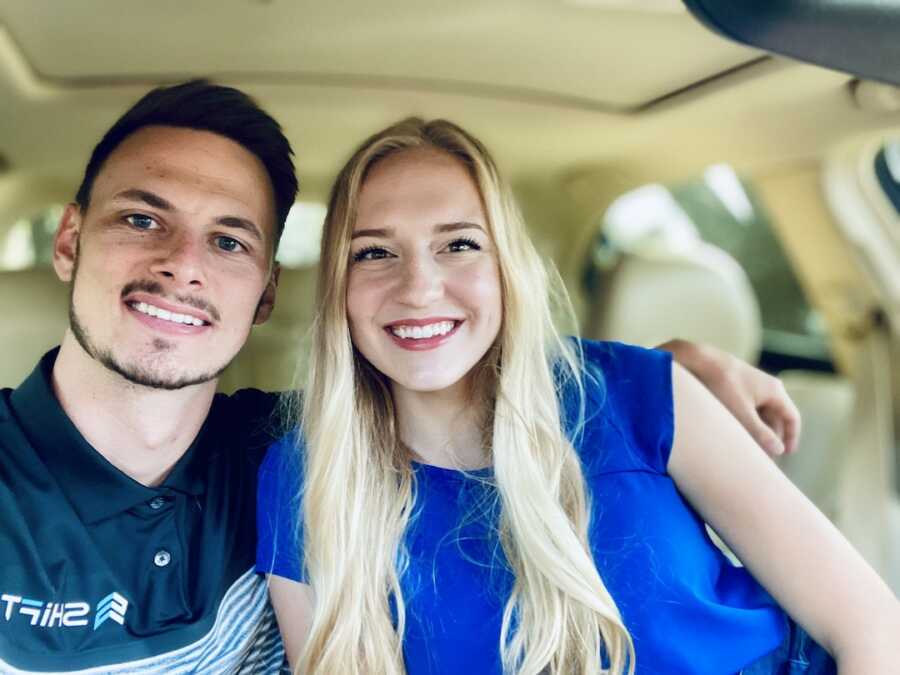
(65, 243)
(267, 301)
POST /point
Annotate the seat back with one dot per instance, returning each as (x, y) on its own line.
(34, 305)
(698, 292)
(271, 356)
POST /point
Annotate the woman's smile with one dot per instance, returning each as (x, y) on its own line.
(422, 334)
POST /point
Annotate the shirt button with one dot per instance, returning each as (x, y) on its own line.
(157, 503)
(162, 558)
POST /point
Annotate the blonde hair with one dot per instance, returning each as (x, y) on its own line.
(359, 483)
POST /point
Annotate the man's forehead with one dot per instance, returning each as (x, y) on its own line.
(190, 164)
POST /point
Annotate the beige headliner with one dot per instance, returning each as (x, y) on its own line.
(593, 98)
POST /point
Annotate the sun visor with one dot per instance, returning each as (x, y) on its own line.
(855, 36)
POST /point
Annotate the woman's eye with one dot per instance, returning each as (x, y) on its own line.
(463, 244)
(141, 222)
(370, 253)
(228, 244)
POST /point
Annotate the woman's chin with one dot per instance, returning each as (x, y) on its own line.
(429, 383)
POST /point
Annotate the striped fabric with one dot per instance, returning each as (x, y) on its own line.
(244, 639)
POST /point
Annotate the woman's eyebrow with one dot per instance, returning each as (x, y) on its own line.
(373, 232)
(385, 232)
(453, 227)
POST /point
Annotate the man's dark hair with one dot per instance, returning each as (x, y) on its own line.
(204, 106)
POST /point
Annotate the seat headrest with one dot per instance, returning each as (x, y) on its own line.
(698, 293)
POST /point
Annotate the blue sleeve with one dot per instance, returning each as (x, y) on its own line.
(630, 391)
(278, 524)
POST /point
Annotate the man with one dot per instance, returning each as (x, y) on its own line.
(127, 485)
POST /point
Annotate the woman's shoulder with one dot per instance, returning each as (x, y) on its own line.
(624, 372)
(282, 465)
(628, 406)
(279, 493)
(621, 358)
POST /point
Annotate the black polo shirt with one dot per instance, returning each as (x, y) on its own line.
(100, 572)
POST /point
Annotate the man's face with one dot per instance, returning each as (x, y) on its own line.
(170, 264)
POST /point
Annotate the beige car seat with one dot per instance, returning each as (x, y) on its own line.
(698, 292)
(270, 358)
(35, 305)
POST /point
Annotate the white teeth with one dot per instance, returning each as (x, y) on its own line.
(165, 314)
(422, 332)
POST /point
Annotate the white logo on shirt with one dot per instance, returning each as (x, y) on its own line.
(63, 614)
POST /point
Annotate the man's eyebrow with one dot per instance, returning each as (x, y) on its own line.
(147, 197)
(241, 224)
(442, 228)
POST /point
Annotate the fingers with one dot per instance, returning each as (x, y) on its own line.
(765, 431)
(780, 413)
(768, 434)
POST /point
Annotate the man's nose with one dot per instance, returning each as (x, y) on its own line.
(181, 262)
(422, 281)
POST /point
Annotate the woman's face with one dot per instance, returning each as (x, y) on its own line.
(423, 294)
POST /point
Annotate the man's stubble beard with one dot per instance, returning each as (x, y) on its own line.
(135, 374)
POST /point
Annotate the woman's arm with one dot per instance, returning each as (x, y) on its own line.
(789, 546)
(293, 603)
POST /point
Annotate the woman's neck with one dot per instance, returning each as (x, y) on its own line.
(444, 428)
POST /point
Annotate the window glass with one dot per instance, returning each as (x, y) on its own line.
(302, 235)
(29, 241)
(723, 210)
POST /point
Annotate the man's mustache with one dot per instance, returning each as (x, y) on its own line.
(155, 288)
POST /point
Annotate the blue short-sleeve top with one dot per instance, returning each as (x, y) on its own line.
(688, 608)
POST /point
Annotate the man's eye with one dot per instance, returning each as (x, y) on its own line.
(141, 222)
(463, 244)
(228, 244)
(370, 253)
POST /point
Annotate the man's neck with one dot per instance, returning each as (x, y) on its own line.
(141, 431)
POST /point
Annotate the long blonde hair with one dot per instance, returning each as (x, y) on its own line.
(359, 483)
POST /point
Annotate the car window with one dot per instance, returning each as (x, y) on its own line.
(724, 210)
(28, 242)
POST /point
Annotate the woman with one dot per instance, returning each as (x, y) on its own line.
(473, 492)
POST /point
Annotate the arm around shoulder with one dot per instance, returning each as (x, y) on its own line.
(788, 545)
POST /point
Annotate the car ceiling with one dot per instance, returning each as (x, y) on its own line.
(576, 90)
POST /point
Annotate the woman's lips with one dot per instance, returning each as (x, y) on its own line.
(421, 343)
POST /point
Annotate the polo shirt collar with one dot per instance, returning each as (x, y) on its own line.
(95, 488)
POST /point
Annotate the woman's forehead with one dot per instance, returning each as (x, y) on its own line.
(419, 184)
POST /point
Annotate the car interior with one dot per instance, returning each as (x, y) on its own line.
(713, 171)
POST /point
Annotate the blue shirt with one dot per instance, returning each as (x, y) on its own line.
(688, 609)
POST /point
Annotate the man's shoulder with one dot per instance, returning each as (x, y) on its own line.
(9, 426)
(252, 402)
(249, 417)
(5, 393)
